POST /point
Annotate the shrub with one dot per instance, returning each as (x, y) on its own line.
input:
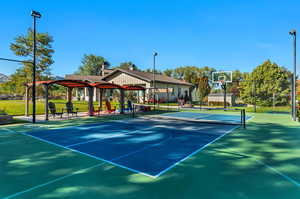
(218, 104)
(2, 112)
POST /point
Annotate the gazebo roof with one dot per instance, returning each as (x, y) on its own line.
(81, 84)
(105, 85)
(133, 88)
(65, 82)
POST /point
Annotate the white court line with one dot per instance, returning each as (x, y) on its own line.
(193, 153)
(52, 181)
(82, 170)
(134, 170)
(286, 177)
(92, 156)
(8, 131)
(279, 173)
(173, 165)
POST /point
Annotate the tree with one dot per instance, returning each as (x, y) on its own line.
(168, 72)
(148, 70)
(127, 66)
(23, 46)
(192, 74)
(267, 84)
(203, 88)
(92, 65)
(237, 77)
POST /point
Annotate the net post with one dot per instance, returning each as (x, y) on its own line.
(241, 112)
(244, 118)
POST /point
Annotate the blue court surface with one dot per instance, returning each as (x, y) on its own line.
(147, 146)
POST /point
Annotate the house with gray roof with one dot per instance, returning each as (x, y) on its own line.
(167, 88)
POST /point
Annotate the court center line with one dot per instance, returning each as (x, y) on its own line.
(112, 136)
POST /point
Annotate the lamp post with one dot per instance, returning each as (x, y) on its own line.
(154, 94)
(294, 112)
(35, 15)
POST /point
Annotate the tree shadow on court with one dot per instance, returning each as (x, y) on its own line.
(243, 164)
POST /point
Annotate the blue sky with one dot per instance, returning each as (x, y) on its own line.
(226, 34)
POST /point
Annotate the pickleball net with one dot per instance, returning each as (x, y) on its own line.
(212, 116)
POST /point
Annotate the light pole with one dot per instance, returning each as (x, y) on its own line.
(154, 94)
(294, 111)
(35, 15)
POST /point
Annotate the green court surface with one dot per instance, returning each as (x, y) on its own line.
(259, 162)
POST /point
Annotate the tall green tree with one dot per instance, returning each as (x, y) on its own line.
(92, 65)
(203, 88)
(127, 66)
(168, 72)
(267, 84)
(237, 77)
(23, 46)
(192, 74)
(148, 70)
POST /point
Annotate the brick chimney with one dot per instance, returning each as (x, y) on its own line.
(102, 69)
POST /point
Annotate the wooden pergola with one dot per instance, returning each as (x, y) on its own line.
(70, 84)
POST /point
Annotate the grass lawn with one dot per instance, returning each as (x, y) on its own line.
(259, 109)
(17, 107)
(259, 162)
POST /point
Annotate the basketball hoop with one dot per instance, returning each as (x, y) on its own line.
(222, 77)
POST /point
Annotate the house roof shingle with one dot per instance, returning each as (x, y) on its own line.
(90, 78)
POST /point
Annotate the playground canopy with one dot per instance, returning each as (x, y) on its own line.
(70, 84)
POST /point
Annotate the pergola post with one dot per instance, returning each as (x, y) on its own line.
(84, 94)
(168, 94)
(144, 96)
(27, 100)
(91, 107)
(100, 99)
(95, 94)
(76, 93)
(46, 87)
(122, 95)
(69, 94)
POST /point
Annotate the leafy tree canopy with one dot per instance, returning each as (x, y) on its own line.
(92, 65)
(190, 74)
(266, 83)
(23, 46)
(127, 66)
(203, 88)
(168, 72)
(151, 71)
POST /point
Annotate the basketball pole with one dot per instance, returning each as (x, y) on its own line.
(224, 88)
(294, 111)
(154, 89)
